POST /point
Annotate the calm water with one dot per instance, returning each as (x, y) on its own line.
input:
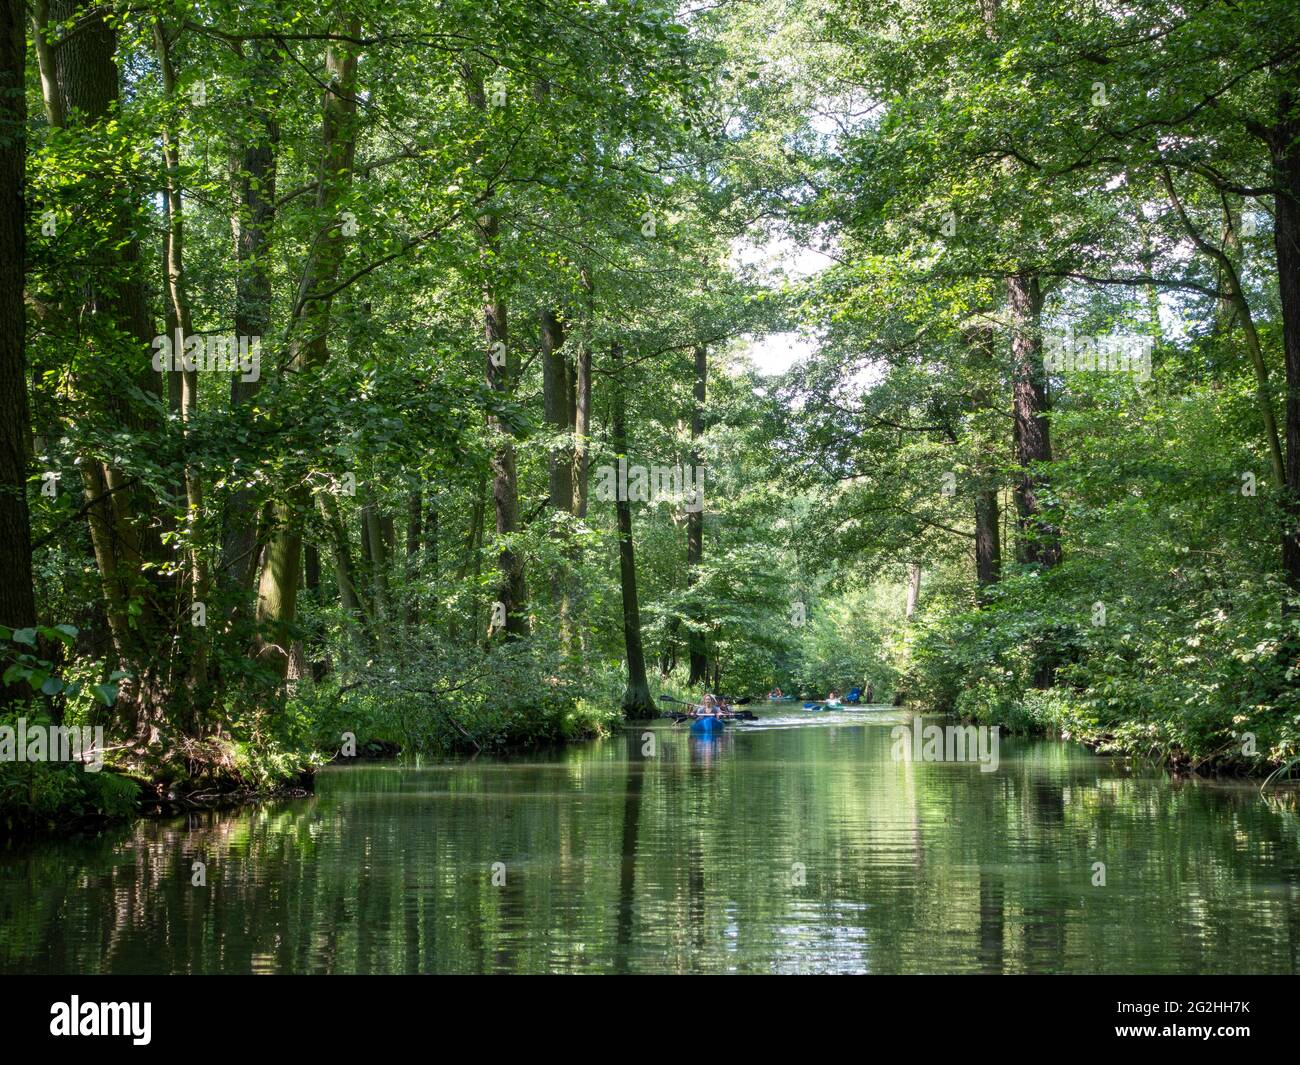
(795, 845)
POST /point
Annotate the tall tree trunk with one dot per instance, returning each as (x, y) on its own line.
(555, 401)
(314, 645)
(502, 366)
(988, 543)
(668, 656)
(277, 592)
(1286, 232)
(980, 340)
(471, 560)
(1286, 240)
(695, 517)
(17, 597)
(379, 556)
(510, 592)
(253, 218)
(580, 418)
(431, 563)
(1230, 278)
(1039, 540)
(582, 406)
(50, 94)
(637, 704)
(913, 590)
(124, 518)
(414, 521)
(180, 326)
(345, 571)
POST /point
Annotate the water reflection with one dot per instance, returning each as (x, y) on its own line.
(614, 861)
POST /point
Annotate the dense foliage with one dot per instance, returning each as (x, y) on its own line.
(450, 272)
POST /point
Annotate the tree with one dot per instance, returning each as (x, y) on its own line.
(17, 597)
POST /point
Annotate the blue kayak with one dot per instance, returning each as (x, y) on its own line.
(708, 726)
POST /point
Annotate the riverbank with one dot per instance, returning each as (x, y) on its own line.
(1252, 746)
(273, 755)
(38, 799)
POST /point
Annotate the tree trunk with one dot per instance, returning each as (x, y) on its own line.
(913, 590)
(124, 518)
(254, 215)
(555, 399)
(988, 544)
(668, 657)
(50, 95)
(582, 408)
(980, 341)
(471, 560)
(277, 595)
(17, 597)
(379, 556)
(316, 638)
(345, 571)
(637, 704)
(431, 563)
(414, 520)
(1286, 239)
(180, 326)
(695, 517)
(502, 365)
(1039, 540)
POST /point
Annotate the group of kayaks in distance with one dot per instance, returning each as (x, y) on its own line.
(711, 714)
(833, 699)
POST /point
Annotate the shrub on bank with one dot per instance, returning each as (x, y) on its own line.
(1201, 689)
(468, 700)
(48, 793)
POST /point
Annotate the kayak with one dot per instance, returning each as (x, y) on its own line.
(708, 726)
(823, 706)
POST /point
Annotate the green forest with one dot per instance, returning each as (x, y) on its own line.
(455, 377)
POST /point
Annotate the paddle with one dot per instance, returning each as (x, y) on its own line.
(738, 715)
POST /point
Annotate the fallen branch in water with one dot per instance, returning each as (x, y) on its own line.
(465, 734)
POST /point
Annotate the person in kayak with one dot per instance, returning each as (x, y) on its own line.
(775, 693)
(832, 696)
(708, 707)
